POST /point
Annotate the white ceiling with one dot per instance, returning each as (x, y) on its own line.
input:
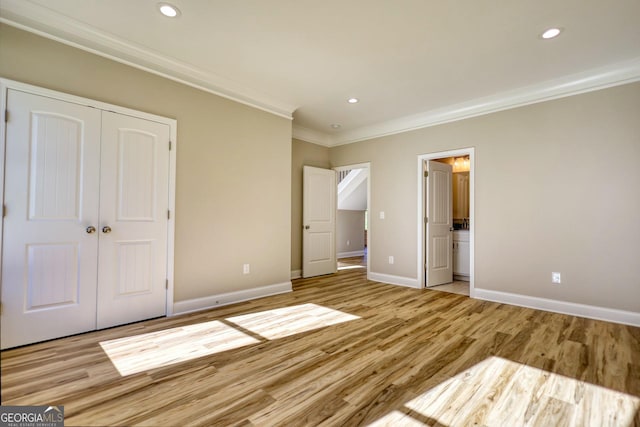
(411, 63)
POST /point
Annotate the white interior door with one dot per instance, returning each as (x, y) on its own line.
(439, 224)
(49, 258)
(319, 222)
(134, 204)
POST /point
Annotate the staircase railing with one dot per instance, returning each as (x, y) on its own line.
(342, 175)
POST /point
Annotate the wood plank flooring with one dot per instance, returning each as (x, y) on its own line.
(340, 351)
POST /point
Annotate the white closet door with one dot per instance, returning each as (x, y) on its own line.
(49, 259)
(133, 220)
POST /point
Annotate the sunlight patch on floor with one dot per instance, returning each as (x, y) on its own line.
(286, 321)
(139, 353)
(350, 267)
(497, 391)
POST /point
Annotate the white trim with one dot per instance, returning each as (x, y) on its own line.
(309, 135)
(171, 223)
(563, 307)
(55, 26)
(50, 24)
(4, 93)
(365, 165)
(421, 214)
(350, 254)
(219, 300)
(6, 84)
(296, 274)
(573, 84)
(394, 280)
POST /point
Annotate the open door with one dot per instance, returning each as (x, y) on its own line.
(439, 256)
(319, 222)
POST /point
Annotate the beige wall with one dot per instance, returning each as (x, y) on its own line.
(302, 154)
(349, 229)
(233, 195)
(556, 189)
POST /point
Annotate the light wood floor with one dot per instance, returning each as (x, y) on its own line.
(340, 351)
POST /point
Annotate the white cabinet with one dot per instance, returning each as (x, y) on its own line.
(461, 254)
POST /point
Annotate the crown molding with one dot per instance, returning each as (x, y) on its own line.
(574, 84)
(47, 23)
(311, 135)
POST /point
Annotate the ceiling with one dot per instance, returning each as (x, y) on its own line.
(411, 63)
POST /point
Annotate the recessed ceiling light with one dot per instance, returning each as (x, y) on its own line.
(353, 100)
(169, 10)
(551, 33)
(335, 126)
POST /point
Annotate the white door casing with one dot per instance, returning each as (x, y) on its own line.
(62, 175)
(319, 222)
(439, 224)
(133, 205)
(51, 196)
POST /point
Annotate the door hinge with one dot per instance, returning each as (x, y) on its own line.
(168, 214)
(4, 211)
(6, 116)
(426, 174)
(169, 145)
(426, 220)
(166, 284)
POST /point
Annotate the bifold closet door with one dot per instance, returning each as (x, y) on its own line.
(134, 201)
(50, 251)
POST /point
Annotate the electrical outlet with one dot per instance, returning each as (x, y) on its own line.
(555, 277)
(391, 260)
(246, 269)
(348, 242)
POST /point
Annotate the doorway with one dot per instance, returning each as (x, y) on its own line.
(424, 253)
(353, 233)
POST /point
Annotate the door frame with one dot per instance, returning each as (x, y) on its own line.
(6, 84)
(422, 200)
(366, 166)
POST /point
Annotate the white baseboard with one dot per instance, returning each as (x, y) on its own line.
(197, 304)
(394, 280)
(350, 254)
(581, 310)
(296, 274)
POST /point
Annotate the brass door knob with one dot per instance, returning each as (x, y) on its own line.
(106, 229)
(90, 229)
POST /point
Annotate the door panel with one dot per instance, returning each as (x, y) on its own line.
(49, 261)
(134, 205)
(319, 222)
(439, 224)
